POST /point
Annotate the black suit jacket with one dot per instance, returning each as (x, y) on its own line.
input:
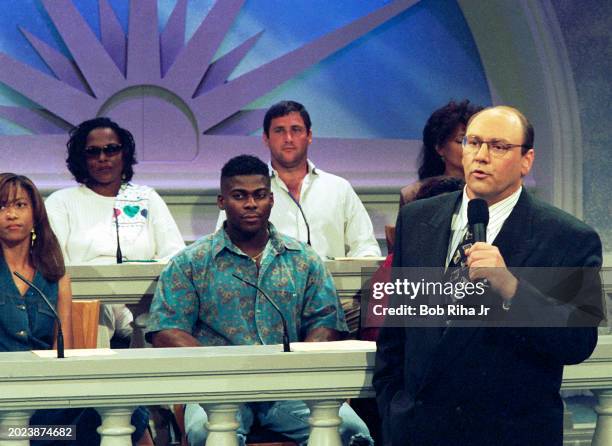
(483, 385)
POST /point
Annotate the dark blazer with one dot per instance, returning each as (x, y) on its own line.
(482, 385)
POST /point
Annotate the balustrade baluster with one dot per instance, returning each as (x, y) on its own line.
(603, 429)
(116, 428)
(324, 423)
(222, 424)
(14, 419)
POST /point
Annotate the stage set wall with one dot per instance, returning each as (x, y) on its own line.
(370, 73)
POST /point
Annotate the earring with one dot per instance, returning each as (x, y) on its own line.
(32, 237)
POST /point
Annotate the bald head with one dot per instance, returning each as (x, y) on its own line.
(527, 127)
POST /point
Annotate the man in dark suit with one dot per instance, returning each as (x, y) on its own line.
(474, 386)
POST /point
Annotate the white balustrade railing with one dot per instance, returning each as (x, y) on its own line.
(221, 378)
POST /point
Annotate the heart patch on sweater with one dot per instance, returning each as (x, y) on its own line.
(130, 211)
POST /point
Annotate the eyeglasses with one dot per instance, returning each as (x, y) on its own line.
(109, 150)
(496, 148)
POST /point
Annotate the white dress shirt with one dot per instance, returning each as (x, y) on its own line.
(498, 213)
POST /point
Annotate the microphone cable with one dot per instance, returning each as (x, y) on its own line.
(60, 333)
(303, 217)
(286, 347)
(119, 255)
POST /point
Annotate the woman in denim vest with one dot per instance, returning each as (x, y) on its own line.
(29, 247)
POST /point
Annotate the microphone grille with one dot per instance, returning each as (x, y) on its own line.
(478, 212)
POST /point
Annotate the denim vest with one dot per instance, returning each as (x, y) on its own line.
(26, 323)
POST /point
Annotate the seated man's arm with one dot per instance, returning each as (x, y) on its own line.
(358, 232)
(323, 334)
(322, 317)
(174, 338)
(175, 305)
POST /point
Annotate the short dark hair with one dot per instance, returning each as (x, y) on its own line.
(283, 108)
(438, 129)
(528, 131)
(45, 251)
(76, 161)
(245, 165)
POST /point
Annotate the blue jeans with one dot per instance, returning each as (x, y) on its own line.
(289, 418)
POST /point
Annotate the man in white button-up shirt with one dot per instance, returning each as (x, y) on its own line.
(311, 205)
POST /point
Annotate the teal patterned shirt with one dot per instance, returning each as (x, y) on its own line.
(197, 293)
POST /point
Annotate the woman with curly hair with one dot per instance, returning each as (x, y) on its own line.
(106, 206)
(107, 218)
(441, 151)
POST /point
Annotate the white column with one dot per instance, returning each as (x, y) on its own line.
(603, 429)
(14, 419)
(116, 428)
(222, 424)
(324, 423)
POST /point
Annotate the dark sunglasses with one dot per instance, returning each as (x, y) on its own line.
(109, 150)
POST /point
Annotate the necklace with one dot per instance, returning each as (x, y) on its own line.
(258, 256)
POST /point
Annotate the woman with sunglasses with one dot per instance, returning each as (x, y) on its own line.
(87, 218)
(107, 218)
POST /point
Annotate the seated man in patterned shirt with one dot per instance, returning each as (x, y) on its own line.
(199, 302)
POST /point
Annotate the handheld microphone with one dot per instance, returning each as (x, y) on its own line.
(297, 203)
(478, 219)
(280, 313)
(60, 334)
(119, 255)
